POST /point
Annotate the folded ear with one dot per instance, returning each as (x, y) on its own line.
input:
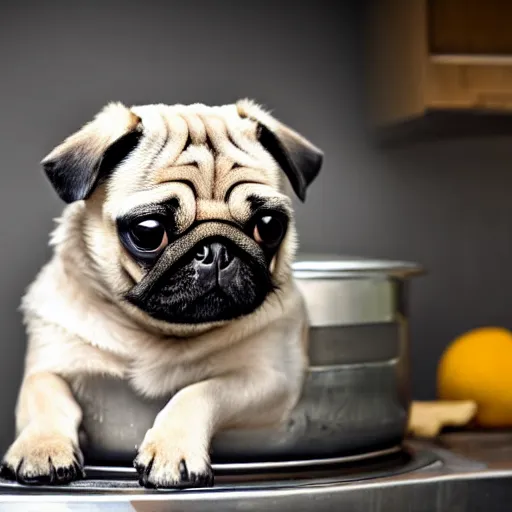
(298, 158)
(83, 160)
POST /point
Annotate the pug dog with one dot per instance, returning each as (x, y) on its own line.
(171, 270)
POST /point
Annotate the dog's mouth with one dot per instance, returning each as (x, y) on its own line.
(214, 273)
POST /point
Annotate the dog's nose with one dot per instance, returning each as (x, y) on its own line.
(213, 256)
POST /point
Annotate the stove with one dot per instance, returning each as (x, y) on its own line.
(461, 471)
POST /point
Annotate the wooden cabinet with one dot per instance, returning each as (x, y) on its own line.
(440, 66)
(469, 27)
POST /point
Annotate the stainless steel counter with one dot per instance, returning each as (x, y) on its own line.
(461, 472)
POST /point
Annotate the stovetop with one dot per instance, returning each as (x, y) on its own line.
(462, 471)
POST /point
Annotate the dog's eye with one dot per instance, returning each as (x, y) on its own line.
(269, 230)
(149, 236)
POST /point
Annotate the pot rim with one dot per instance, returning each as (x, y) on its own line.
(328, 266)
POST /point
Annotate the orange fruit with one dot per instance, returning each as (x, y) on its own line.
(478, 366)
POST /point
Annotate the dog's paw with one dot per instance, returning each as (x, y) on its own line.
(172, 461)
(42, 458)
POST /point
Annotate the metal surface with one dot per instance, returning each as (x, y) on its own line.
(115, 480)
(349, 301)
(360, 344)
(112, 479)
(347, 291)
(467, 472)
(318, 266)
(232, 467)
(344, 410)
(356, 393)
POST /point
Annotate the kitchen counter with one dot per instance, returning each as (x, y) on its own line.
(461, 471)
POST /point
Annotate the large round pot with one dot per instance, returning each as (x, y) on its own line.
(356, 395)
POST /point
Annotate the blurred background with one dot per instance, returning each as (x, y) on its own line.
(444, 203)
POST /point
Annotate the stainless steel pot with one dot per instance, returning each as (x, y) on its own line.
(356, 395)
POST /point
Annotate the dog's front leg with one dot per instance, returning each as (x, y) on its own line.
(47, 421)
(175, 451)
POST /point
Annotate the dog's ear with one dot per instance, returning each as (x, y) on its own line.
(299, 159)
(83, 160)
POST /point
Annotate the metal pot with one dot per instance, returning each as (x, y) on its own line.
(356, 395)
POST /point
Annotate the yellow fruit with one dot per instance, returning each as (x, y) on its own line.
(478, 366)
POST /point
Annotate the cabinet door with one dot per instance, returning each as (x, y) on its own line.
(470, 27)
(469, 54)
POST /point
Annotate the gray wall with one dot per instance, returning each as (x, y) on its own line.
(445, 205)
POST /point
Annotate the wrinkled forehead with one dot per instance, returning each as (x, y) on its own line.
(211, 147)
(208, 155)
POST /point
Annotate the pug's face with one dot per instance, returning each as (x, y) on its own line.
(187, 219)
